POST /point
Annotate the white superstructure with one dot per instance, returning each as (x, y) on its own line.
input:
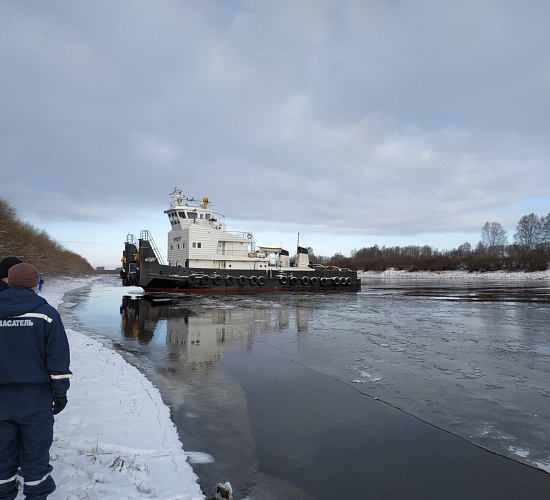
(198, 239)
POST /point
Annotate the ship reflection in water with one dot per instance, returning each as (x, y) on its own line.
(197, 331)
(186, 339)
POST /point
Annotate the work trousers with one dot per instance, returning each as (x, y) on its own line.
(26, 435)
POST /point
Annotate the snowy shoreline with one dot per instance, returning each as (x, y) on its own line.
(456, 275)
(115, 439)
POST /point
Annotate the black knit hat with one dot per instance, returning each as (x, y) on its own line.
(23, 275)
(5, 265)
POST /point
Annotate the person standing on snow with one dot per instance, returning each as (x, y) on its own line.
(5, 265)
(34, 379)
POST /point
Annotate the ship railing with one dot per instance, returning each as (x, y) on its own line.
(242, 234)
(147, 236)
(130, 238)
(233, 253)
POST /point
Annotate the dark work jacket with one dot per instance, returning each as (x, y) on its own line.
(33, 343)
(3, 285)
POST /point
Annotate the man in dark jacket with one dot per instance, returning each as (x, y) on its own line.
(34, 379)
(5, 265)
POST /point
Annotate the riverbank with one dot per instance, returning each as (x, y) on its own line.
(456, 275)
(115, 439)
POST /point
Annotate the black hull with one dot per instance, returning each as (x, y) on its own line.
(141, 268)
(250, 282)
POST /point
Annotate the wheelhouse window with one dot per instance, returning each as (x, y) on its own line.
(182, 215)
(191, 215)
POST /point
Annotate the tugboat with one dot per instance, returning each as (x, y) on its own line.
(203, 257)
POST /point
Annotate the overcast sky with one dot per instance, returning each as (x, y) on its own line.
(353, 123)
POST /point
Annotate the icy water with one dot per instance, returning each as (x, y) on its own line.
(405, 390)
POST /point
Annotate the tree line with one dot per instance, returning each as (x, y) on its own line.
(19, 239)
(530, 251)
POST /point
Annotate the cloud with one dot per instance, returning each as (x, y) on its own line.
(342, 117)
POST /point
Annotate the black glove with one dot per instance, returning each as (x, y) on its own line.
(59, 403)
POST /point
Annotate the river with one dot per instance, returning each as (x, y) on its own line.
(406, 389)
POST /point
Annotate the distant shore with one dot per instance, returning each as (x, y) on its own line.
(456, 275)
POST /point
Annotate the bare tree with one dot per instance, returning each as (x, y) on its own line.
(465, 249)
(7, 211)
(545, 232)
(528, 231)
(494, 237)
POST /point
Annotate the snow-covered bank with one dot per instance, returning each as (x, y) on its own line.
(456, 275)
(115, 439)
